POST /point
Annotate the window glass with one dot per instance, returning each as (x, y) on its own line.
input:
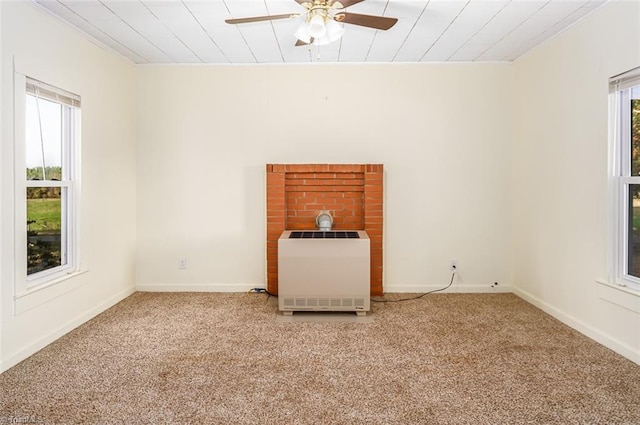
(44, 228)
(43, 139)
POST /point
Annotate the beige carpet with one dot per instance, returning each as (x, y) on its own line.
(223, 359)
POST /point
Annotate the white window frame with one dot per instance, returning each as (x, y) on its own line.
(69, 184)
(620, 176)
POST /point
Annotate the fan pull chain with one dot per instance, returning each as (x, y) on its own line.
(311, 52)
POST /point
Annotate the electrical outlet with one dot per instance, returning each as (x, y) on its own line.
(453, 265)
(182, 264)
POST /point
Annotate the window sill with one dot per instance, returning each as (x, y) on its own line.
(37, 295)
(622, 296)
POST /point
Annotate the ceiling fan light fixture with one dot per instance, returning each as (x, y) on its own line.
(302, 33)
(334, 30)
(316, 27)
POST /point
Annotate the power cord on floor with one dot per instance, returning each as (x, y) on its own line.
(453, 275)
(418, 296)
(262, 291)
(257, 290)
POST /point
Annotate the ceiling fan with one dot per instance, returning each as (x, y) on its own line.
(320, 20)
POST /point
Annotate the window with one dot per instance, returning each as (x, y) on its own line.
(51, 181)
(625, 155)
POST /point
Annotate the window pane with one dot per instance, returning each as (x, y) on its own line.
(633, 237)
(43, 139)
(44, 228)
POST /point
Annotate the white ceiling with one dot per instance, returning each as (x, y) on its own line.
(194, 31)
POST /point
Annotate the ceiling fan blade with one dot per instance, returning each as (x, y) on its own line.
(302, 43)
(377, 22)
(260, 18)
(347, 3)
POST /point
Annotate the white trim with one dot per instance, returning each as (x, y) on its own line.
(48, 276)
(320, 64)
(244, 287)
(454, 289)
(613, 165)
(198, 287)
(585, 329)
(36, 346)
(40, 294)
(625, 80)
(619, 295)
(19, 184)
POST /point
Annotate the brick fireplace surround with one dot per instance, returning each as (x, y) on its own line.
(351, 192)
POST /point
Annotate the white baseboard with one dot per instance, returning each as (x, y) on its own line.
(38, 345)
(454, 289)
(580, 326)
(198, 287)
(244, 287)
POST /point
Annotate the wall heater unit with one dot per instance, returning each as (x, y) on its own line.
(323, 271)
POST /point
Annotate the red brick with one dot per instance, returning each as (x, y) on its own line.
(352, 206)
(322, 182)
(373, 204)
(358, 194)
(306, 213)
(368, 213)
(374, 175)
(373, 189)
(374, 220)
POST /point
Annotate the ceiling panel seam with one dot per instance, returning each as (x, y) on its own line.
(512, 30)
(478, 31)
(171, 31)
(205, 31)
(99, 30)
(410, 31)
(137, 32)
(445, 30)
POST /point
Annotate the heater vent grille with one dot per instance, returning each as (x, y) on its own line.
(349, 302)
(314, 234)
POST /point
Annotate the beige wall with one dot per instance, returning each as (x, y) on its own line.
(443, 132)
(48, 50)
(560, 175)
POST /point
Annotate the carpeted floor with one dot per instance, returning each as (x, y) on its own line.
(200, 358)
